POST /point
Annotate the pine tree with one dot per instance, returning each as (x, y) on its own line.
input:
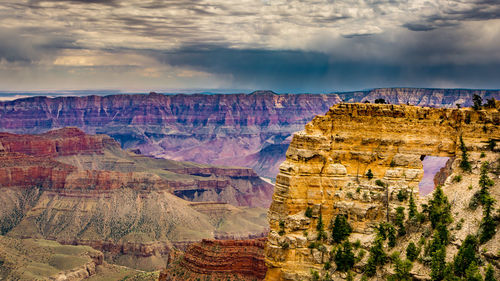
(439, 210)
(402, 270)
(391, 235)
(438, 263)
(344, 258)
(478, 102)
(472, 273)
(488, 223)
(484, 182)
(341, 229)
(377, 257)
(464, 163)
(412, 252)
(490, 274)
(400, 218)
(467, 254)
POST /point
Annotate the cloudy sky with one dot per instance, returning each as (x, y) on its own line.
(286, 46)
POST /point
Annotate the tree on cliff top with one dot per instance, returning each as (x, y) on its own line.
(478, 102)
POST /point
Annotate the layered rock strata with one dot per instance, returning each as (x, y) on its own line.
(79, 189)
(250, 130)
(327, 164)
(220, 259)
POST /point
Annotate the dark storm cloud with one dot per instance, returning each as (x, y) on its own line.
(281, 64)
(283, 45)
(455, 13)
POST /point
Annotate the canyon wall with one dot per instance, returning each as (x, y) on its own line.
(326, 172)
(250, 130)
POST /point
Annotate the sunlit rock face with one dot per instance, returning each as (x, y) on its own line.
(326, 166)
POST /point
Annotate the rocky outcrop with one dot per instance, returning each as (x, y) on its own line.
(216, 259)
(326, 166)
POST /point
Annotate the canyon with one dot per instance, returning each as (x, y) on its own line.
(81, 189)
(355, 161)
(249, 130)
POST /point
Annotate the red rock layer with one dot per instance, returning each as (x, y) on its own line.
(67, 141)
(243, 259)
(27, 161)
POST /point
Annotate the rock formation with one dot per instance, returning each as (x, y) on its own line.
(325, 173)
(220, 259)
(239, 130)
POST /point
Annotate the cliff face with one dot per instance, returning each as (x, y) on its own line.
(220, 259)
(245, 130)
(326, 166)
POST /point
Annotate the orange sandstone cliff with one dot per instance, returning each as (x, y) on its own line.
(325, 171)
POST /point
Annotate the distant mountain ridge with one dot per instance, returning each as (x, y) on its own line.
(250, 130)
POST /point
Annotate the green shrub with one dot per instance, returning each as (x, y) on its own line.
(327, 266)
(482, 154)
(357, 244)
(281, 232)
(457, 178)
(402, 195)
(369, 174)
(492, 144)
(314, 275)
(309, 212)
(380, 183)
(412, 252)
